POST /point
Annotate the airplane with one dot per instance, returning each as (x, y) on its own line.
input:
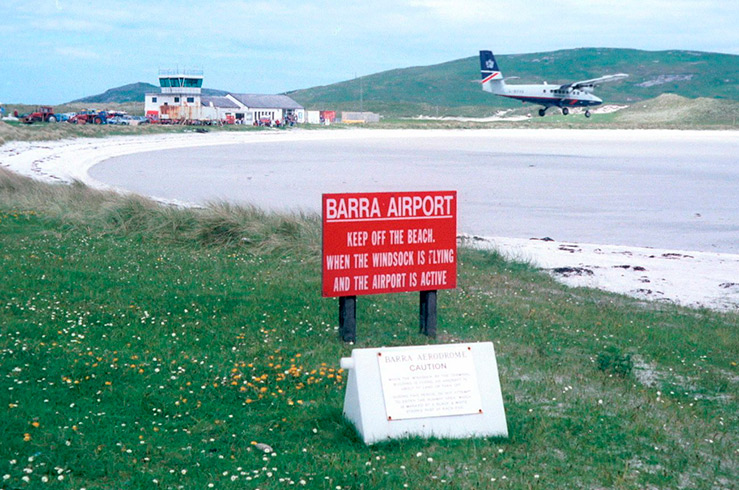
(577, 94)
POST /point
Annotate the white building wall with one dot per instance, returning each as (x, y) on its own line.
(180, 106)
(313, 117)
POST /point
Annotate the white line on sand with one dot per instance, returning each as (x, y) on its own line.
(696, 279)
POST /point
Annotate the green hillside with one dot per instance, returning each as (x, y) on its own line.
(448, 88)
(133, 92)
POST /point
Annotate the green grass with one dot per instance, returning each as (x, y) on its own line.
(151, 347)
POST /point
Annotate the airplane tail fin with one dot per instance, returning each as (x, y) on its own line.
(489, 71)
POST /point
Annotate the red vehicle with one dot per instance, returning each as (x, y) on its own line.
(42, 114)
(89, 117)
(328, 116)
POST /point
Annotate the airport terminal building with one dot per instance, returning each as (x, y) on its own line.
(181, 100)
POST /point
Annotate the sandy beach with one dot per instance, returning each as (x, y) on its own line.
(689, 278)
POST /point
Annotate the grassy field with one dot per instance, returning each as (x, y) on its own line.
(149, 347)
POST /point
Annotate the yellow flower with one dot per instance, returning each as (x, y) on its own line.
(35, 424)
(26, 437)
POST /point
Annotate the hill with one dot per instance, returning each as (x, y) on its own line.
(446, 88)
(133, 92)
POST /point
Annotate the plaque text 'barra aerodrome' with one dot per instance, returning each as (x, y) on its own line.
(436, 382)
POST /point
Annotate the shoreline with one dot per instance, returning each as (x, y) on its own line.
(688, 278)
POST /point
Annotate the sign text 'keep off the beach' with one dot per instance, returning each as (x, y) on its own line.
(389, 242)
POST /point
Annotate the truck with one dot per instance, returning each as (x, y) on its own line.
(44, 113)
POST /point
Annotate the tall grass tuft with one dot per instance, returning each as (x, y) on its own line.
(218, 224)
(612, 361)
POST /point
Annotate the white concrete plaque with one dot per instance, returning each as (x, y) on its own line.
(450, 391)
(435, 382)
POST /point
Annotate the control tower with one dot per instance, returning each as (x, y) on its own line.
(181, 81)
(179, 99)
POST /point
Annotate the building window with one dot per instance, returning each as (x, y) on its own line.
(176, 100)
(153, 99)
(191, 100)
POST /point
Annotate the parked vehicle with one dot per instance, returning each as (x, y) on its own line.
(89, 117)
(64, 116)
(44, 113)
(121, 120)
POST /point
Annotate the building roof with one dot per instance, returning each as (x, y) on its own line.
(218, 101)
(258, 101)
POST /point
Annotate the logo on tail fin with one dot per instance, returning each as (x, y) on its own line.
(489, 67)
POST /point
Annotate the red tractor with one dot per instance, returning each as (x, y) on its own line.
(42, 114)
(89, 117)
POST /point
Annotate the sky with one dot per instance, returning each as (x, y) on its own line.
(55, 51)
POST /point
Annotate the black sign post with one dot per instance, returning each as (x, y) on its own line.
(348, 318)
(427, 313)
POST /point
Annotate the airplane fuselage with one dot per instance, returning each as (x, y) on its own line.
(545, 95)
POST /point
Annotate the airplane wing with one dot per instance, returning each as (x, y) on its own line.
(593, 82)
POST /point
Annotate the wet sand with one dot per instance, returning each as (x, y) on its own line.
(649, 189)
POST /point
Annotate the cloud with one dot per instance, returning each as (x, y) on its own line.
(69, 26)
(67, 52)
(468, 12)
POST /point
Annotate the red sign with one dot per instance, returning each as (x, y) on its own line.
(389, 242)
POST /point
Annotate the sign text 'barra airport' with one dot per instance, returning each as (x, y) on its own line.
(389, 242)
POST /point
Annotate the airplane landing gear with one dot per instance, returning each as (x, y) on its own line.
(587, 113)
(542, 112)
(565, 111)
